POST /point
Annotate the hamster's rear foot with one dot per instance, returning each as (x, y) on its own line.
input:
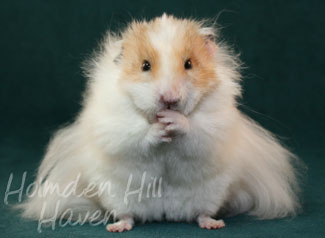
(125, 224)
(207, 222)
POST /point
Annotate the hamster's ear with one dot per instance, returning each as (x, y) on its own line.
(115, 47)
(117, 59)
(210, 36)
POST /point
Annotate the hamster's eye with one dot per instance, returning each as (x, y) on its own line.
(188, 64)
(146, 65)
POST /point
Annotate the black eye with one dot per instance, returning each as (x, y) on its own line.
(146, 66)
(188, 64)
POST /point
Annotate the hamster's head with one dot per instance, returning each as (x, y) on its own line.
(167, 63)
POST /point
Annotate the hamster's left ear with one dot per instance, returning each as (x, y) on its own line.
(210, 36)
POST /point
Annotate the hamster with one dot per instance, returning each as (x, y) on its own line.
(161, 128)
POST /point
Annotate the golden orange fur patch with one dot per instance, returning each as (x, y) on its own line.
(136, 49)
(192, 45)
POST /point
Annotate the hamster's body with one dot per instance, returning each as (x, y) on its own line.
(160, 114)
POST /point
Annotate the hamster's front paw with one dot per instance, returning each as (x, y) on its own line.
(158, 134)
(175, 122)
(169, 123)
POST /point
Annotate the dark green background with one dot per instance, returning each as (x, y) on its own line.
(43, 43)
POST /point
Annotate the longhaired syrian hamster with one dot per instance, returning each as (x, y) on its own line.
(161, 129)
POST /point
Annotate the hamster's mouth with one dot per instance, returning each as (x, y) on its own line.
(150, 113)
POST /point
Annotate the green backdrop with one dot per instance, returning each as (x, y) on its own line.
(43, 43)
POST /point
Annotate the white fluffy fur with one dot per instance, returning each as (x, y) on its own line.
(225, 162)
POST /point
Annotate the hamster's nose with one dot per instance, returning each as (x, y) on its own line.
(169, 101)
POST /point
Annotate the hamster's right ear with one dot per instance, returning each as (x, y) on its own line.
(115, 48)
(117, 59)
(210, 36)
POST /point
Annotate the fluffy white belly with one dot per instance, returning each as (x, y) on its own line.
(167, 187)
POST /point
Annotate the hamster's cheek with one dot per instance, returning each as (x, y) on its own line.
(144, 96)
(193, 96)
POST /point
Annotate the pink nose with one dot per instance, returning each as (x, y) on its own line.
(169, 101)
